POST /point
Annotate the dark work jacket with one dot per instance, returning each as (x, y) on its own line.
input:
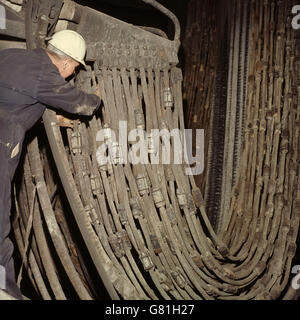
(29, 81)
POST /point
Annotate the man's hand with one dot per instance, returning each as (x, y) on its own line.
(64, 122)
(97, 92)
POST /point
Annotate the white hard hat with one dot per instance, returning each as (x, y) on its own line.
(71, 43)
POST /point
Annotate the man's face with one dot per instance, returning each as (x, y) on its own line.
(67, 67)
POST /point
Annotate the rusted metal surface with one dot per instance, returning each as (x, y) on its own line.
(251, 191)
(146, 226)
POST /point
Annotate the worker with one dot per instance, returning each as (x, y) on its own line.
(30, 81)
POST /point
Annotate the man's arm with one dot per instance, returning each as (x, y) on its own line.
(64, 122)
(54, 91)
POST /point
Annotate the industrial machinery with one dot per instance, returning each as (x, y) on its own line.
(88, 229)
